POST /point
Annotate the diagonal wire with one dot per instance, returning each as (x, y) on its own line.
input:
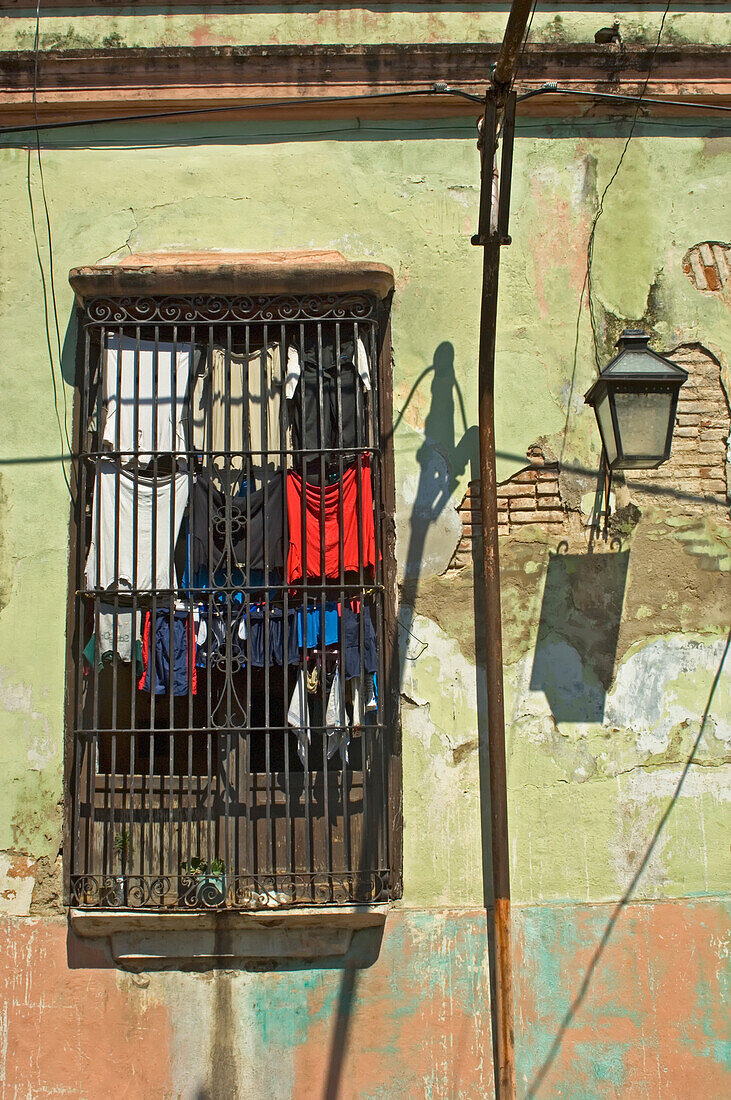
(627, 896)
(612, 178)
(586, 288)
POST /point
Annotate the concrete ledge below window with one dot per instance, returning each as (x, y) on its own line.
(151, 940)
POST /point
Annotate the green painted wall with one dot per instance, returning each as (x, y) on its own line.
(81, 28)
(405, 195)
(611, 660)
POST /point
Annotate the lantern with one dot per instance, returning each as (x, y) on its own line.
(634, 399)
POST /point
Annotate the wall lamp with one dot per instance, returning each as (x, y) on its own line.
(634, 399)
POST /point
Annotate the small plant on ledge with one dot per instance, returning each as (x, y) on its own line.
(201, 883)
(116, 892)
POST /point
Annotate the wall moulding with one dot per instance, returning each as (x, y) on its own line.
(152, 940)
(96, 83)
(21, 6)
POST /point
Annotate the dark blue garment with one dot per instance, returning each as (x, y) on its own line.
(255, 626)
(351, 639)
(160, 659)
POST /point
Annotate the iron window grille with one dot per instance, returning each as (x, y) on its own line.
(198, 787)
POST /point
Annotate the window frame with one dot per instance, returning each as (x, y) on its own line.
(385, 514)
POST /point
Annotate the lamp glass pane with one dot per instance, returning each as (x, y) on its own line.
(639, 361)
(642, 419)
(604, 420)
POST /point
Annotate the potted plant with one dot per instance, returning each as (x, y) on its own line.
(116, 892)
(202, 883)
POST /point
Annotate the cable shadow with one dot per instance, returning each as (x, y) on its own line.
(343, 1016)
(606, 936)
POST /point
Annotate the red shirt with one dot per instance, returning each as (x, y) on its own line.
(344, 502)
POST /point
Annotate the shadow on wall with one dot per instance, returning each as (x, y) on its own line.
(544, 1070)
(578, 631)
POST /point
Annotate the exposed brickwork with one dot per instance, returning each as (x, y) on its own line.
(697, 470)
(530, 496)
(697, 473)
(708, 266)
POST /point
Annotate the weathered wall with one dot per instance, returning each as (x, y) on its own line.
(611, 657)
(414, 1022)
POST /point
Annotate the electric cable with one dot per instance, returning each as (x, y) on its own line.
(525, 42)
(615, 173)
(437, 88)
(586, 287)
(29, 182)
(551, 88)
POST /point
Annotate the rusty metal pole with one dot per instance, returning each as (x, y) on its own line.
(492, 234)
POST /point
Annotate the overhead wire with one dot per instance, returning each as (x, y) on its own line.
(586, 287)
(436, 89)
(525, 42)
(612, 178)
(62, 431)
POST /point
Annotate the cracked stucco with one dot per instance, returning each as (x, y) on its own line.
(146, 190)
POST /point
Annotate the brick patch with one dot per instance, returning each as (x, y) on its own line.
(707, 266)
(696, 472)
(530, 496)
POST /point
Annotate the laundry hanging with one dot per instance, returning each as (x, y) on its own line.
(251, 519)
(144, 392)
(237, 409)
(163, 660)
(116, 526)
(347, 510)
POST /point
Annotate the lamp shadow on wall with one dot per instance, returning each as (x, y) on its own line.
(578, 632)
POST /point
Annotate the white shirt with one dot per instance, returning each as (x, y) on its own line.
(100, 564)
(121, 363)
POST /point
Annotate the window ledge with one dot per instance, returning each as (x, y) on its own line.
(150, 939)
(311, 271)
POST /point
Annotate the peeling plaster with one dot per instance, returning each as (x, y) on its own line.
(648, 695)
(17, 880)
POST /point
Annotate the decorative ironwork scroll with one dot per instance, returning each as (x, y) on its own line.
(243, 892)
(227, 309)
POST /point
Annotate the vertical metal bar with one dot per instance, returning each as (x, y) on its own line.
(307, 779)
(493, 635)
(344, 786)
(389, 683)
(185, 798)
(154, 839)
(380, 742)
(284, 461)
(264, 465)
(173, 592)
(133, 460)
(251, 796)
(324, 441)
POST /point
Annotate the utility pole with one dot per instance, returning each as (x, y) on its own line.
(492, 233)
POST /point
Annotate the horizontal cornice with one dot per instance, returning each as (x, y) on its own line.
(91, 83)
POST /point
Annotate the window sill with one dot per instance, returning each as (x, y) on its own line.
(152, 940)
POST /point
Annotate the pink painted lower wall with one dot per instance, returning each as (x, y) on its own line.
(608, 1004)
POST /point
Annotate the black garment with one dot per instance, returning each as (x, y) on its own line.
(307, 429)
(351, 640)
(241, 532)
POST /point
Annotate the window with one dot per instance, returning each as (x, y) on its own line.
(231, 727)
